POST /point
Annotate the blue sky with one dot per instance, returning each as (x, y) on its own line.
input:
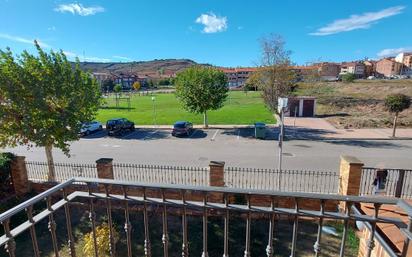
(219, 32)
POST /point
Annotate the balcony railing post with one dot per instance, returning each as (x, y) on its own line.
(205, 253)
(70, 238)
(185, 246)
(165, 236)
(147, 246)
(371, 240)
(92, 218)
(269, 248)
(348, 207)
(350, 177)
(10, 246)
(317, 247)
(295, 228)
(248, 224)
(52, 227)
(406, 242)
(19, 175)
(399, 183)
(226, 229)
(127, 224)
(112, 247)
(29, 211)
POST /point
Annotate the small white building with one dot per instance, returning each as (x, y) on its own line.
(301, 106)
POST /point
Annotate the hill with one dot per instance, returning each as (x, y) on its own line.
(154, 69)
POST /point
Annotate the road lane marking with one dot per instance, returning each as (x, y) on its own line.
(214, 136)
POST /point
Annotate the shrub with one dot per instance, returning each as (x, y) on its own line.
(103, 241)
(348, 78)
(5, 176)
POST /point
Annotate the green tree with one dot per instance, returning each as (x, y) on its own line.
(43, 100)
(117, 88)
(397, 103)
(274, 77)
(348, 78)
(136, 86)
(201, 89)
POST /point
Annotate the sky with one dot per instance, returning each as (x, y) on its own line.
(218, 32)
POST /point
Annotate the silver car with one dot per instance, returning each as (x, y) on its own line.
(90, 127)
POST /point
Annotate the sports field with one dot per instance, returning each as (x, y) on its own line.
(239, 108)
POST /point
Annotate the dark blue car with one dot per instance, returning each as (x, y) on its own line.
(182, 128)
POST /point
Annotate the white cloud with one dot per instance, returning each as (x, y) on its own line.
(23, 40)
(77, 8)
(73, 55)
(212, 23)
(52, 28)
(394, 51)
(124, 58)
(354, 22)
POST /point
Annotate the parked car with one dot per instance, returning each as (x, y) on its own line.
(90, 127)
(182, 128)
(118, 126)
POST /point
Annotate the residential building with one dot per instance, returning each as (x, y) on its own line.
(370, 68)
(327, 71)
(356, 68)
(101, 76)
(127, 80)
(388, 67)
(237, 76)
(406, 60)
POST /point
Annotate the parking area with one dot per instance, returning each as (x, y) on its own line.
(218, 134)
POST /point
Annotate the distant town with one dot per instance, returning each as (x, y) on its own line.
(396, 67)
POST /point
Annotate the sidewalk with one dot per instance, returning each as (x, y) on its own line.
(317, 128)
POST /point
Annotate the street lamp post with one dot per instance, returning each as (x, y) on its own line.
(154, 111)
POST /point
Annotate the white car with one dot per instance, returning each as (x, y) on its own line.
(90, 127)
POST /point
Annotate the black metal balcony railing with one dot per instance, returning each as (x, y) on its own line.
(398, 182)
(94, 190)
(286, 180)
(266, 179)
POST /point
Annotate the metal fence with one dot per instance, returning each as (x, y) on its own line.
(166, 205)
(38, 171)
(398, 182)
(161, 174)
(285, 180)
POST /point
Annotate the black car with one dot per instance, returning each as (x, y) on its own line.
(182, 128)
(118, 126)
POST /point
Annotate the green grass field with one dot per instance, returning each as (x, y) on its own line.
(239, 108)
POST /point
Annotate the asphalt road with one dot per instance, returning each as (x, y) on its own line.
(236, 147)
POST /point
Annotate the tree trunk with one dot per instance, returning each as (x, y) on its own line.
(395, 120)
(51, 176)
(205, 123)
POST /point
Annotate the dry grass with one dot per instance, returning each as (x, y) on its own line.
(359, 104)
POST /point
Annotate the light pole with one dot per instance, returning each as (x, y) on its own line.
(154, 111)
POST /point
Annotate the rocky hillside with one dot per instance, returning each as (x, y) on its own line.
(154, 69)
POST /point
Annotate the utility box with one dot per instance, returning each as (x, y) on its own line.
(260, 130)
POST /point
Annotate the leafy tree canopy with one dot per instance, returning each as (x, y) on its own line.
(43, 99)
(396, 103)
(201, 89)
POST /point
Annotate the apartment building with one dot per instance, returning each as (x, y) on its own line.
(370, 68)
(406, 60)
(237, 76)
(356, 68)
(388, 67)
(326, 71)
